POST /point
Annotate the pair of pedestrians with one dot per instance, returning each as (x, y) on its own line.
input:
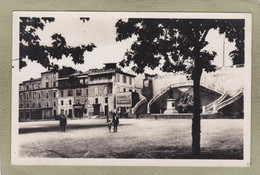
(114, 122)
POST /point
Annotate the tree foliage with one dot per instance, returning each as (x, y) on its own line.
(31, 48)
(178, 45)
(174, 44)
(184, 104)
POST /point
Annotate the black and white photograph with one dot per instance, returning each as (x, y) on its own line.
(131, 88)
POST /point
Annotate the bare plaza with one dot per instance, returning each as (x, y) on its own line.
(142, 139)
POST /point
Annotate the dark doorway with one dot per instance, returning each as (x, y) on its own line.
(78, 110)
(27, 115)
(70, 113)
(96, 109)
(36, 114)
(62, 112)
(106, 110)
(78, 113)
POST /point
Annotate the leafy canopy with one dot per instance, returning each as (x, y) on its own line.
(31, 47)
(177, 44)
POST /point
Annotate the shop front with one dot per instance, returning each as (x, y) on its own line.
(78, 111)
(96, 108)
(124, 103)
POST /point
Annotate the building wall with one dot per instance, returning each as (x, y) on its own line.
(49, 99)
(65, 104)
(36, 100)
(229, 79)
(50, 78)
(123, 86)
(100, 94)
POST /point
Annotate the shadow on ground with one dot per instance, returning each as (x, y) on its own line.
(173, 152)
(159, 152)
(57, 128)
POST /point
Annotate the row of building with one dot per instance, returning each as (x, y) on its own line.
(77, 94)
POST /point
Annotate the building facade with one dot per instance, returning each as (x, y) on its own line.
(76, 94)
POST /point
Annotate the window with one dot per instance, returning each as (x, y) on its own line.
(54, 84)
(130, 80)
(47, 95)
(21, 105)
(54, 94)
(21, 97)
(124, 79)
(47, 84)
(69, 102)
(61, 93)
(81, 81)
(87, 91)
(27, 96)
(40, 105)
(106, 100)
(78, 92)
(61, 102)
(101, 91)
(47, 77)
(118, 78)
(54, 103)
(109, 88)
(33, 105)
(39, 85)
(124, 90)
(70, 92)
(27, 87)
(27, 105)
(47, 104)
(96, 100)
(33, 86)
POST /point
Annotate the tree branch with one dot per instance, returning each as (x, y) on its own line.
(204, 35)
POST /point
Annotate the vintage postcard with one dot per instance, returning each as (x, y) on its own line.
(131, 89)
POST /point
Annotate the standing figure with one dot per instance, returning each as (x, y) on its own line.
(109, 124)
(115, 122)
(137, 116)
(63, 123)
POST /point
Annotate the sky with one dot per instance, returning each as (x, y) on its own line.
(101, 31)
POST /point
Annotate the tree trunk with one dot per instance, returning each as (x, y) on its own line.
(196, 113)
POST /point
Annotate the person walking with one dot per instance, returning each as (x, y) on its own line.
(137, 116)
(115, 122)
(109, 125)
(63, 123)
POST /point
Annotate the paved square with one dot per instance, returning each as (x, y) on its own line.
(144, 138)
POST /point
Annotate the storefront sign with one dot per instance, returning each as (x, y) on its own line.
(124, 99)
(78, 106)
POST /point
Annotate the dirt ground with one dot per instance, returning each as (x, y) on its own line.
(144, 138)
